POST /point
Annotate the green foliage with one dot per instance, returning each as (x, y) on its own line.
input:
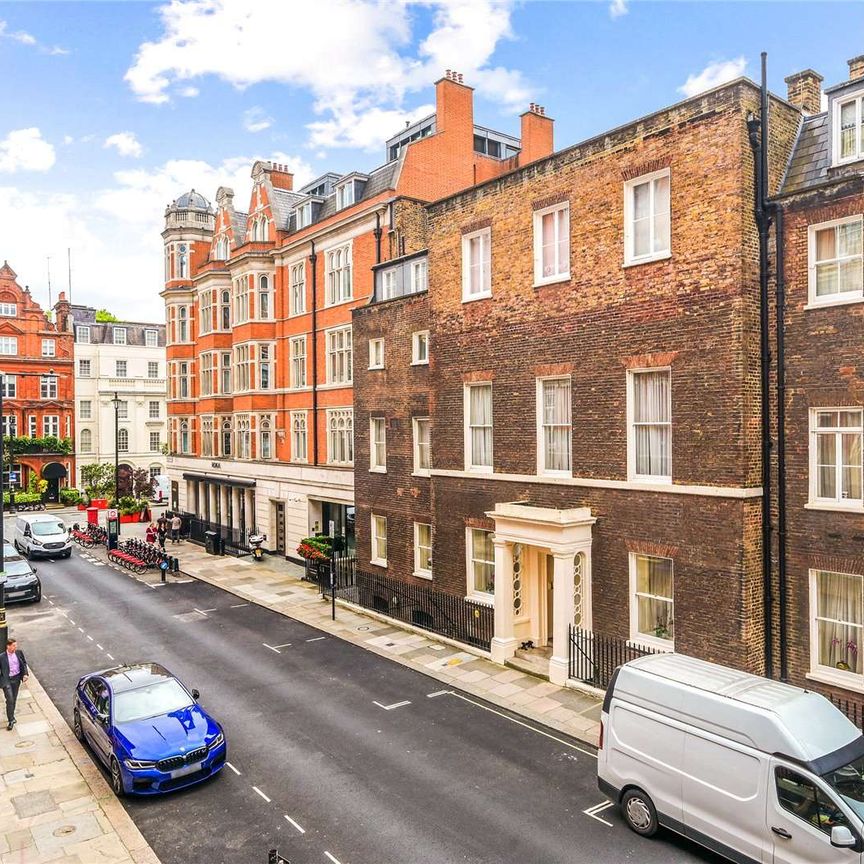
(319, 548)
(129, 505)
(70, 496)
(98, 479)
(23, 498)
(142, 483)
(36, 485)
(103, 316)
(25, 444)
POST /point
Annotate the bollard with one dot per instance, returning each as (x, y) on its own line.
(164, 564)
(175, 565)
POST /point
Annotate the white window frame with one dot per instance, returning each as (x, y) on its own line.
(485, 277)
(345, 195)
(88, 414)
(296, 432)
(158, 440)
(542, 468)
(636, 637)
(151, 337)
(121, 364)
(630, 259)
(830, 674)
(9, 310)
(331, 355)
(49, 348)
(418, 470)
(419, 273)
(472, 593)
(339, 280)
(855, 505)
(469, 463)
(388, 283)
(81, 367)
(858, 98)
(377, 437)
(297, 362)
(82, 335)
(631, 430)
(150, 365)
(559, 275)
(418, 339)
(8, 346)
(333, 416)
(304, 215)
(117, 339)
(376, 353)
(839, 299)
(85, 441)
(9, 385)
(151, 413)
(298, 288)
(375, 557)
(48, 387)
(422, 572)
(50, 425)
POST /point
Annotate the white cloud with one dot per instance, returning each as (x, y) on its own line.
(125, 143)
(617, 8)
(188, 92)
(256, 120)
(367, 129)
(25, 38)
(25, 150)
(713, 75)
(369, 65)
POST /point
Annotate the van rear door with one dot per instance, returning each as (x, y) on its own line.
(801, 812)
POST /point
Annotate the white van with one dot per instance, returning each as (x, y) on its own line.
(161, 488)
(755, 770)
(41, 534)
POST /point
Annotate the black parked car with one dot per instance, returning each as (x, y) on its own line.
(22, 583)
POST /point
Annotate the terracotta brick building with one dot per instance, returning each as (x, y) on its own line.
(36, 360)
(593, 390)
(259, 303)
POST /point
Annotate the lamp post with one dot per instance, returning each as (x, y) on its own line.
(4, 629)
(116, 403)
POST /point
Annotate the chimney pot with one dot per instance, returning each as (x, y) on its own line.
(804, 89)
(460, 78)
(447, 73)
(856, 67)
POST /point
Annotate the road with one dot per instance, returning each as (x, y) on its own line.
(320, 768)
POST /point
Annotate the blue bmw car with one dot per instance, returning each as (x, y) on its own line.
(148, 729)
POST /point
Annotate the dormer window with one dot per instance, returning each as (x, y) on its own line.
(304, 215)
(345, 195)
(222, 249)
(849, 129)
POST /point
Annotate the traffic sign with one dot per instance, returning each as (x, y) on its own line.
(112, 514)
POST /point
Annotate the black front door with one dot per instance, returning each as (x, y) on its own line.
(53, 491)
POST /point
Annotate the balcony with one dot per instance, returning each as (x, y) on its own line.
(149, 385)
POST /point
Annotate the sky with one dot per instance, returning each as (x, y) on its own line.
(112, 109)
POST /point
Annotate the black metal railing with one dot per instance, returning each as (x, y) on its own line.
(593, 657)
(853, 710)
(235, 541)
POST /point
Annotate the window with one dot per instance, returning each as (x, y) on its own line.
(304, 215)
(848, 130)
(835, 456)
(182, 261)
(555, 426)
(183, 324)
(265, 439)
(481, 563)
(155, 443)
(338, 275)
(208, 447)
(552, 244)
(345, 195)
(647, 218)
(241, 299)
(477, 265)
(120, 368)
(31, 425)
(419, 275)
(379, 540)
(122, 409)
(226, 437)
(389, 287)
(10, 426)
(119, 335)
(9, 345)
(376, 353)
(650, 439)
(222, 248)
(298, 361)
(478, 428)
(226, 372)
(423, 550)
(339, 356)
(151, 337)
(51, 425)
(184, 439)
(298, 288)
(85, 409)
(49, 348)
(298, 436)
(9, 386)
(243, 426)
(263, 297)
(225, 311)
(837, 625)
(265, 367)
(340, 436)
(422, 446)
(153, 410)
(420, 348)
(48, 386)
(152, 368)
(82, 335)
(806, 801)
(155, 471)
(8, 310)
(84, 368)
(651, 601)
(205, 383)
(85, 441)
(123, 440)
(835, 258)
(243, 374)
(183, 379)
(378, 444)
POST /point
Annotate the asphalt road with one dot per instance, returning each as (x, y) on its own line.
(319, 767)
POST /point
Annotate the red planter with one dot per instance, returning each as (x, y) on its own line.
(132, 517)
(101, 503)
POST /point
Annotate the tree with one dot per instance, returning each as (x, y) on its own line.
(142, 483)
(98, 480)
(103, 316)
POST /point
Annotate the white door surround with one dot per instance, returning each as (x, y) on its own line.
(564, 534)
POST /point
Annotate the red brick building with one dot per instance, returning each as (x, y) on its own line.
(36, 362)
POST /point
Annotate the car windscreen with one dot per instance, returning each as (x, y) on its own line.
(848, 782)
(151, 700)
(43, 529)
(16, 567)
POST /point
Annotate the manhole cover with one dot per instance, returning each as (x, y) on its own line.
(25, 745)
(363, 627)
(64, 831)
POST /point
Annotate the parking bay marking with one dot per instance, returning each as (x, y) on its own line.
(261, 794)
(316, 639)
(394, 705)
(298, 827)
(232, 768)
(599, 808)
(334, 860)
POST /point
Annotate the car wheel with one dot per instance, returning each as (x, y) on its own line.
(76, 725)
(37, 597)
(639, 812)
(116, 778)
(67, 553)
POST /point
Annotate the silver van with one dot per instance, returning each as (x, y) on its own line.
(41, 535)
(755, 770)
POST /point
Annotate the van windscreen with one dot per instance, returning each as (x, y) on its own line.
(848, 782)
(43, 529)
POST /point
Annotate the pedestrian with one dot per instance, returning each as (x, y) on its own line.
(150, 534)
(176, 523)
(13, 671)
(161, 533)
(162, 523)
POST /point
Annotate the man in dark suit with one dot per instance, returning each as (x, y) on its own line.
(13, 670)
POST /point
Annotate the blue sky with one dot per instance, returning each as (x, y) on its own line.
(112, 109)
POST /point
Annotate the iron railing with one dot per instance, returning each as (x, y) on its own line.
(234, 540)
(593, 657)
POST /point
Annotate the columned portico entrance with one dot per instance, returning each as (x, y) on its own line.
(542, 579)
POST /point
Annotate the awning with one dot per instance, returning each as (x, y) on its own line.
(54, 471)
(218, 478)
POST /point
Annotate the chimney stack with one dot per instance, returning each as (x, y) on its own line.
(281, 177)
(454, 106)
(804, 90)
(537, 131)
(856, 67)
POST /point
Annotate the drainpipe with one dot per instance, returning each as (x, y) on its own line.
(757, 131)
(313, 258)
(377, 233)
(781, 438)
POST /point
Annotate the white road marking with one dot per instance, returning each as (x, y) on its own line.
(80, 628)
(520, 723)
(238, 606)
(271, 647)
(334, 860)
(99, 647)
(316, 639)
(394, 705)
(204, 611)
(438, 693)
(232, 767)
(261, 794)
(298, 827)
(51, 602)
(284, 645)
(599, 808)
(71, 622)
(109, 655)
(90, 638)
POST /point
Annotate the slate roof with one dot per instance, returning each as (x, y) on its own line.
(282, 204)
(238, 223)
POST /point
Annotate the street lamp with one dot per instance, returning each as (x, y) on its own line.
(116, 403)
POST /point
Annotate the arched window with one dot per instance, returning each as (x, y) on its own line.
(183, 261)
(265, 445)
(184, 325)
(263, 297)
(226, 438)
(254, 231)
(86, 441)
(226, 310)
(123, 440)
(184, 436)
